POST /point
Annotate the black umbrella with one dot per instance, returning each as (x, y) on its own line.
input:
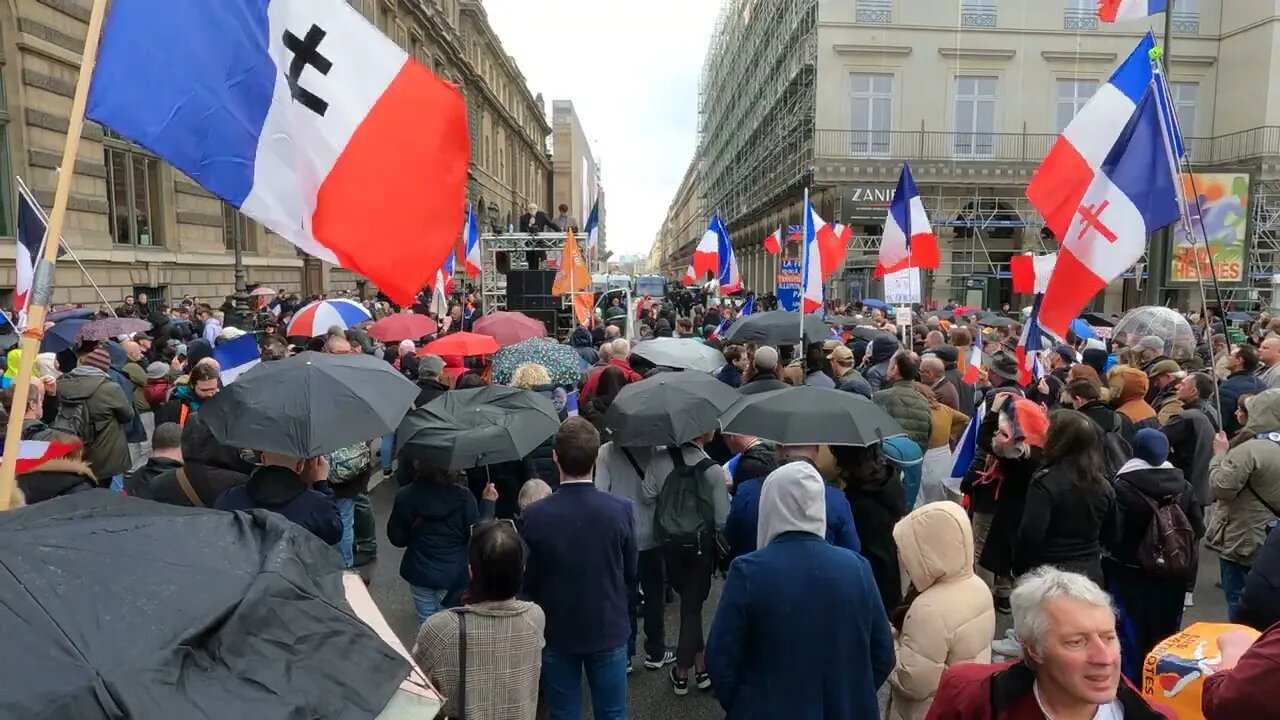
(940, 314)
(810, 416)
(996, 321)
(115, 607)
(470, 428)
(865, 332)
(1097, 320)
(112, 327)
(310, 404)
(844, 320)
(776, 327)
(668, 409)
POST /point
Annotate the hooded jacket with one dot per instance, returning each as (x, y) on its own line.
(108, 410)
(1128, 392)
(881, 349)
(212, 468)
(906, 405)
(742, 527)
(55, 478)
(852, 382)
(953, 618)
(432, 521)
(1138, 480)
(580, 341)
(615, 474)
(795, 594)
(281, 490)
(1241, 480)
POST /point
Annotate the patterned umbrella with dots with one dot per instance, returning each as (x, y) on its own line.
(561, 361)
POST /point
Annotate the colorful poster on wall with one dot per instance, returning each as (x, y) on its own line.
(1174, 672)
(789, 285)
(1221, 216)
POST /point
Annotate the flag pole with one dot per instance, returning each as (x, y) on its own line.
(22, 187)
(807, 222)
(42, 284)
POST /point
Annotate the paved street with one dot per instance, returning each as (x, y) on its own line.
(650, 692)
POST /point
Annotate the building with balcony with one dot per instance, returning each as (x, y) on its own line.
(837, 94)
(138, 225)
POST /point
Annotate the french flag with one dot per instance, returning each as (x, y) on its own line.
(34, 453)
(1111, 11)
(32, 227)
(471, 239)
(811, 291)
(1030, 345)
(706, 256)
(301, 114)
(1134, 194)
(834, 241)
(973, 369)
(237, 357)
(966, 449)
(773, 242)
(730, 278)
(571, 404)
(723, 328)
(1031, 273)
(593, 226)
(447, 270)
(908, 239)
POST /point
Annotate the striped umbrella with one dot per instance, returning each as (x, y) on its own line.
(316, 318)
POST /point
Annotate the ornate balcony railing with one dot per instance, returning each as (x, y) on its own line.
(874, 11)
(1080, 19)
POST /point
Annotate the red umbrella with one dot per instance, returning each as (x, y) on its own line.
(509, 328)
(402, 326)
(965, 310)
(463, 343)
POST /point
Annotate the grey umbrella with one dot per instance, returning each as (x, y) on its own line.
(776, 327)
(471, 428)
(680, 353)
(310, 404)
(670, 408)
(810, 416)
(112, 327)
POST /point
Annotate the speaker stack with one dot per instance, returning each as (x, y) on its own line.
(529, 292)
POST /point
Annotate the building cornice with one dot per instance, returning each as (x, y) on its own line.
(976, 53)
(899, 50)
(1069, 56)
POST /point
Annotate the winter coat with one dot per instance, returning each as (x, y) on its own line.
(877, 508)
(138, 377)
(55, 478)
(764, 382)
(817, 378)
(1008, 498)
(966, 393)
(730, 375)
(1241, 480)
(1107, 419)
(141, 483)
(879, 352)
(1245, 691)
(852, 382)
(593, 412)
(952, 620)
(282, 491)
(580, 341)
(744, 517)
(432, 521)
(1270, 376)
(616, 475)
(504, 658)
(1237, 384)
(429, 389)
(1128, 393)
(1063, 523)
(947, 423)
(1191, 432)
(108, 410)
(1166, 404)
(1260, 604)
(760, 651)
(171, 412)
(1135, 480)
(906, 405)
(212, 468)
(947, 394)
(1005, 691)
(756, 462)
(593, 378)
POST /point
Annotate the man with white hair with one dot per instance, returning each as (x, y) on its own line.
(619, 357)
(1071, 667)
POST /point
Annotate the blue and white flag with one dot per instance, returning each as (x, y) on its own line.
(236, 357)
(571, 404)
(592, 227)
(966, 450)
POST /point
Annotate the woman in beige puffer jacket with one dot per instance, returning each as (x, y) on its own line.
(952, 620)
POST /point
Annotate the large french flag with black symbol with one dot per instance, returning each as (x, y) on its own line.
(1134, 194)
(1110, 11)
(471, 239)
(908, 239)
(301, 114)
(811, 290)
(706, 256)
(1059, 184)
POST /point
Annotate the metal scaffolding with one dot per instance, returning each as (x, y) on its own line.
(493, 282)
(756, 105)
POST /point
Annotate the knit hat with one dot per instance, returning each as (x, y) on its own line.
(99, 358)
(157, 370)
(1095, 358)
(1151, 446)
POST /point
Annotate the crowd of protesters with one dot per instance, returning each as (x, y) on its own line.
(847, 569)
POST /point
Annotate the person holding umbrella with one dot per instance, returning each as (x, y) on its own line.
(293, 487)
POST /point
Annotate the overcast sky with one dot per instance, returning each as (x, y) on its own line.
(631, 70)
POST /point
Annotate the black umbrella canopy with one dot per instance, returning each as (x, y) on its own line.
(865, 332)
(996, 321)
(471, 428)
(115, 607)
(810, 416)
(777, 327)
(668, 409)
(310, 404)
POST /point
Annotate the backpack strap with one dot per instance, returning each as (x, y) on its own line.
(634, 465)
(184, 482)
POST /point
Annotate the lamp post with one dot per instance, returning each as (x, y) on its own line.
(240, 298)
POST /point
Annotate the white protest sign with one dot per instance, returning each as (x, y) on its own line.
(902, 287)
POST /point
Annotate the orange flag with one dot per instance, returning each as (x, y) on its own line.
(572, 277)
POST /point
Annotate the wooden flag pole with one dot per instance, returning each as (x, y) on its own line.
(42, 286)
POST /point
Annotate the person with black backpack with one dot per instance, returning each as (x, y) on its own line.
(93, 407)
(1153, 551)
(690, 493)
(1114, 429)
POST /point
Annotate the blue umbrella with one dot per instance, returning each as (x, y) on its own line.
(1082, 329)
(1238, 316)
(873, 303)
(62, 335)
(73, 314)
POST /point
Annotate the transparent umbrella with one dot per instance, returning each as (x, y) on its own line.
(1165, 323)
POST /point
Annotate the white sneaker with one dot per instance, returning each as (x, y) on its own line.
(1189, 600)
(1007, 647)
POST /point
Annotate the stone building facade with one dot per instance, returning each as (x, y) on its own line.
(139, 225)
